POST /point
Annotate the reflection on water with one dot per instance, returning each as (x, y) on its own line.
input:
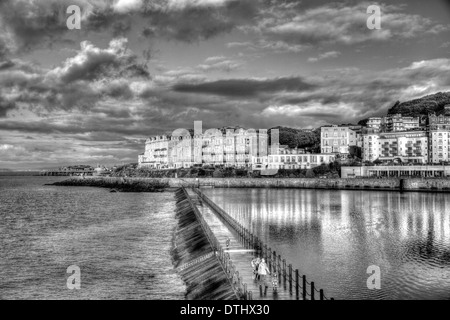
(334, 236)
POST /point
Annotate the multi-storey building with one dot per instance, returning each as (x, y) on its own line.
(338, 139)
(397, 123)
(409, 146)
(181, 150)
(374, 123)
(156, 155)
(298, 161)
(393, 123)
(439, 146)
(439, 136)
(215, 147)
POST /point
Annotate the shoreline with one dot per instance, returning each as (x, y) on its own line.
(170, 184)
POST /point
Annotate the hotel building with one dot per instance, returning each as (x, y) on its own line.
(228, 147)
(338, 139)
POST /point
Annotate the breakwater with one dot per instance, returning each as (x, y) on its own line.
(117, 184)
(195, 259)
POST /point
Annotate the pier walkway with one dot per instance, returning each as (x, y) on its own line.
(243, 247)
(241, 260)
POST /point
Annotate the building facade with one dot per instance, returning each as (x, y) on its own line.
(407, 146)
(393, 123)
(337, 139)
(156, 154)
(234, 148)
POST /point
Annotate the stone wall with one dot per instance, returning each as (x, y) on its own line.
(425, 184)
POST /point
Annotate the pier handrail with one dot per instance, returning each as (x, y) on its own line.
(275, 263)
(239, 287)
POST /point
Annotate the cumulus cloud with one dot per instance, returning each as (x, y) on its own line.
(80, 82)
(92, 63)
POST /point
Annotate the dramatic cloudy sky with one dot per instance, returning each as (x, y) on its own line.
(141, 67)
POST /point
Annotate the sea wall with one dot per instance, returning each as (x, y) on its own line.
(425, 184)
(194, 258)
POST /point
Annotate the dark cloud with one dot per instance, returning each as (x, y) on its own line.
(6, 106)
(34, 23)
(37, 24)
(194, 21)
(245, 87)
(6, 65)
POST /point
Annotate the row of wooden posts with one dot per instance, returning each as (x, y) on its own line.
(276, 264)
(235, 279)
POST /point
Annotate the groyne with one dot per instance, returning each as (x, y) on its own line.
(195, 259)
(116, 184)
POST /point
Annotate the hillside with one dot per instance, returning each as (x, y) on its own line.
(298, 138)
(422, 106)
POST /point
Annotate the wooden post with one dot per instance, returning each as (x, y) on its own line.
(275, 267)
(321, 294)
(269, 258)
(290, 278)
(265, 252)
(245, 291)
(284, 273)
(279, 268)
(297, 284)
(250, 295)
(304, 287)
(262, 248)
(312, 290)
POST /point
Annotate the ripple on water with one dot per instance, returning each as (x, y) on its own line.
(120, 241)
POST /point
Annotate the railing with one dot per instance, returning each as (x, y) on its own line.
(239, 287)
(286, 274)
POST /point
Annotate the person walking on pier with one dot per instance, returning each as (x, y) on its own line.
(274, 282)
(255, 264)
(263, 269)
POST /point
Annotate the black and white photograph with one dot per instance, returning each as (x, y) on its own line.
(190, 151)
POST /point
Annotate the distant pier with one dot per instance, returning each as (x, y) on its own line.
(66, 173)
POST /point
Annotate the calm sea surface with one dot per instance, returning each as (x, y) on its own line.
(334, 236)
(120, 241)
